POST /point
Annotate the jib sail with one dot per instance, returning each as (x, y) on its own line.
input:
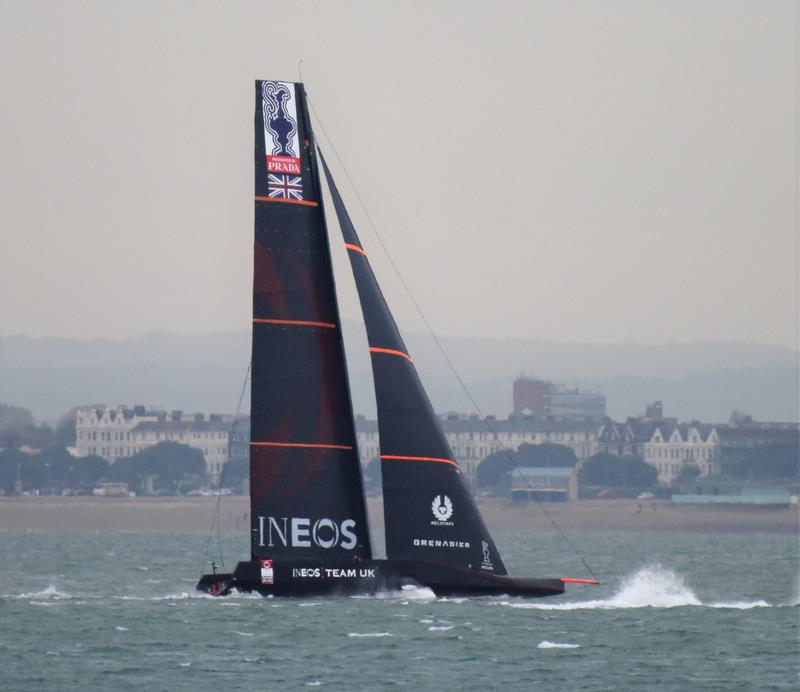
(306, 491)
(428, 511)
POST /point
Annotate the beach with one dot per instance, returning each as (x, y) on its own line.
(196, 514)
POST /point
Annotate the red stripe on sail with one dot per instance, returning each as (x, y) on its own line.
(410, 458)
(391, 352)
(356, 248)
(304, 202)
(308, 445)
(296, 323)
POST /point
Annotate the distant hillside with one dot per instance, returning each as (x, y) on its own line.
(204, 373)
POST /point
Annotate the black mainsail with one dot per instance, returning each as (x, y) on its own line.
(429, 512)
(306, 488)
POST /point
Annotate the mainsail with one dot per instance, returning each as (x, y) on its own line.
(306, 491)
(429, 512)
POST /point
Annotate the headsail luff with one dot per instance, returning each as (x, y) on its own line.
(429, 512)
(306, 489)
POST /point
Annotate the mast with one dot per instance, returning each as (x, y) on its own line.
(306, 494)
(428, 510)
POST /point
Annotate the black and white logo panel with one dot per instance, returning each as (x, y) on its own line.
(442, 510)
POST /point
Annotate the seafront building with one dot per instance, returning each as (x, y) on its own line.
(544, 484)
(665, 444)
(738, 438)
(123, 432)
(472, 439)
(672, 448)
(662, 442)
(544, 399)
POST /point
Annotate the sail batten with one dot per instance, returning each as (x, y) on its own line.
(306, 445)
(305, 203)
(429, 513)
(390, 352)
(401, 457)
(295, 323)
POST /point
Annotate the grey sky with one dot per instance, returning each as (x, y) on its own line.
(579, 171)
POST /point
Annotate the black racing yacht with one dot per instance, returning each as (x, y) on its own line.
(309, 530)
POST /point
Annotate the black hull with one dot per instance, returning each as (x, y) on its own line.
(293, 577)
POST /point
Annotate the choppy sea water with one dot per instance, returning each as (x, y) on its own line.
(679, 611)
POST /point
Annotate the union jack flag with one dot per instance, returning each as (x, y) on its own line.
(285, 186)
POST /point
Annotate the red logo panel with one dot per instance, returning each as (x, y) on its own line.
(283, 164)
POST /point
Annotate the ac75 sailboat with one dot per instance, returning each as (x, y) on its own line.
(309, 529)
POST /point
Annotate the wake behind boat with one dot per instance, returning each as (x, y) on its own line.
(309, 529)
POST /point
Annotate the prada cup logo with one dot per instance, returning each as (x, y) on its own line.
(486, 563)
(281, 140)
(442, 508)
(281, 125)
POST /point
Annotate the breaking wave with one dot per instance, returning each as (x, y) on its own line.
(229, 600)
(51, 592)
(556, 645)
(369, 634)
(649, 587)
(406, 593)
(179, 596)
(740, 605)
(654, 587)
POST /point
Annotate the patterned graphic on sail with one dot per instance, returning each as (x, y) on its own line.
(429, 512)
(306, 491)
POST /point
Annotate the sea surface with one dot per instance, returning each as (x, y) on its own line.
(678, 611)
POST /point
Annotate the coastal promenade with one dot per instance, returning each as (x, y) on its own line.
(195, 514)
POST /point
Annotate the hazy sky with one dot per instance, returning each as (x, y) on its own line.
(594, 171)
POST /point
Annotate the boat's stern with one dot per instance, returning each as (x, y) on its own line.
(216, 584)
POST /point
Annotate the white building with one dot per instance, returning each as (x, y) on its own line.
(473, 439)
(671, 448)
(106, 432)
(668, 446)
(122, 432)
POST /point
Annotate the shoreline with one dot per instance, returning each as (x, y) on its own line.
(186, 514)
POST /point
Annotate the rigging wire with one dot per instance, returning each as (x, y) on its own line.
(450, 364)
(215, 517)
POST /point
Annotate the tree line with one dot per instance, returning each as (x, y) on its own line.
(496, 470)
(167, 468)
